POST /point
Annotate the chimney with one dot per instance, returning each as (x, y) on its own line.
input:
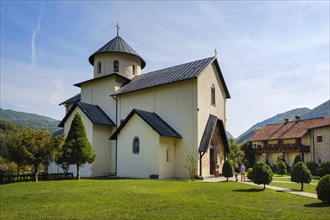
(297, 118)
(286, 120)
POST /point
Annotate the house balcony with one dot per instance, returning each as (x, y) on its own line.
(283, 148)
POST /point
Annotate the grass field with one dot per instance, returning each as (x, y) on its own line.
(285, 182)
(152, 199)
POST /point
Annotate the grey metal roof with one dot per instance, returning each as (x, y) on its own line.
(170, 75)
(93, 112)
(165, 76)
(101, 78)
(151, 118)
(117, 45)
(73, 99)
(212, 122)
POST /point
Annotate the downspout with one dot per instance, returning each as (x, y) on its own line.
(116, 158)
(201, 154)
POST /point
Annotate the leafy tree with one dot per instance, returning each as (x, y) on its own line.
(249, 173)
(249, 153)
(262, 174)
(32, 147)
(312, 166)
(296, 160)
(77, 149)
(321, 172)
(191, 165)
(323, 189)
(281, 167)
(227, 169)
(235, 151)
(326, 167)
(301, 174)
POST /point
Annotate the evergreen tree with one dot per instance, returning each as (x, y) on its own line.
(301, 174)
(249, 153)
(262, 174)
(281, 167)
(77, 149)
(296, 160)
(227, 170)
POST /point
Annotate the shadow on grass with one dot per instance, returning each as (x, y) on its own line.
(248, 190)
(317, 205)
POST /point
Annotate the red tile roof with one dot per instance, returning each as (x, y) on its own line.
(290, 130)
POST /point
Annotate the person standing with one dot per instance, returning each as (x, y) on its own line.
(236, 171)
(243, 168)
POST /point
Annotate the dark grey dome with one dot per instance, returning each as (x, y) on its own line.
(117, 45)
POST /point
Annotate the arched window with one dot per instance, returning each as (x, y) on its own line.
(99, 67)
(136, 145)
(213, 95)
(116, 66)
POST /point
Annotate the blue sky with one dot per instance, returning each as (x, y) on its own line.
(274, 55)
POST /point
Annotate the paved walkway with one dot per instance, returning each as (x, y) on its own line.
(222, 179)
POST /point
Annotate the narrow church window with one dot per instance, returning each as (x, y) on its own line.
(116, 66)
(99, 67)
(136, 145)
(167, 158)
(213, 95)
(133, 69)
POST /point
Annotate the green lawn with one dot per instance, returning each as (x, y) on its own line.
(152, 199)
(285, 182)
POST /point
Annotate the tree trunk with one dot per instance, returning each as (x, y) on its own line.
(227, 179)
(302, 186)
(78, 171)
(264, 186)
(36, 172)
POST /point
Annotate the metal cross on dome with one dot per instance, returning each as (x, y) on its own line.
(118, 27)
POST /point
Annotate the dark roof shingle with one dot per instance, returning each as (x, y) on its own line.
(73, 99)
(93, 112)
(152, 119)
(169, 75)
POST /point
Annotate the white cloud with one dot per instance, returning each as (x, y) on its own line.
(34, 36)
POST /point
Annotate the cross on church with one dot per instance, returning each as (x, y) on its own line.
(117, 26)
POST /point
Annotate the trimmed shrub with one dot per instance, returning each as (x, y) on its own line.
(301, 174)
(227, 170)
(249, 174)
(312, 166)
(326, 167)
(320, 172)
(296, 160)
(262, 174)
(281, 167)
(323, 189)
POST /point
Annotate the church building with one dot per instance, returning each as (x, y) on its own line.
(145, 125)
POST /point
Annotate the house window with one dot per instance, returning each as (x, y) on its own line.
(319, 138)
(134, 70)
(136, 145)
(213, 95)
(99, 67)
(116, 66)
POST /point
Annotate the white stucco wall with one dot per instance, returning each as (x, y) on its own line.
(125, 64)
(167, 147)
(145, 163)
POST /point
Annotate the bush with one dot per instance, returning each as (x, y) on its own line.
(262, 174)
(281, 167)
(323, 189)
(326, 167)
(227, 170)
(249, 174)
(296, 160)
(312, 166)
(301, 174)
(320, 172)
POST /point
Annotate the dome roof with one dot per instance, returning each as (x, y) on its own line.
(117, 45)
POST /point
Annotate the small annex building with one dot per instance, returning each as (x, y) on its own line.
(145, 125)
(310, 138)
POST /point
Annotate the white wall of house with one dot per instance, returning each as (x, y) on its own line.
(167, 158)
(321, 149)
(176, 104)
(145, 163)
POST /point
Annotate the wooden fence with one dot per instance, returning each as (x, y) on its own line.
(9, 178)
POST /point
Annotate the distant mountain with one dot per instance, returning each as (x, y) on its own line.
(29, 120)
(305, 113)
